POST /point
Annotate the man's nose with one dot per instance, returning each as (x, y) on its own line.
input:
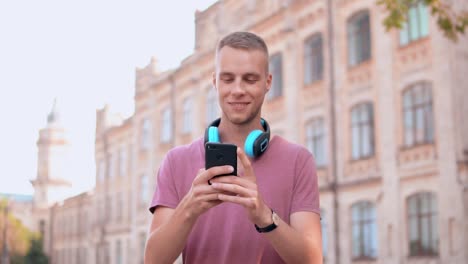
(238, 87)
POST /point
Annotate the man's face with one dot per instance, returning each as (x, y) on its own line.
(242, 81)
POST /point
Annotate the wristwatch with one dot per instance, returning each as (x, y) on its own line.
(271, 227)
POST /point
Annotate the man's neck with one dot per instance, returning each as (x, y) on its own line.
(236, 134)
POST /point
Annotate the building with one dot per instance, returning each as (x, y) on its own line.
(381, 111)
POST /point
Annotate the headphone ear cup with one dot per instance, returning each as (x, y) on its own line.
(249, 144)
(213, 135)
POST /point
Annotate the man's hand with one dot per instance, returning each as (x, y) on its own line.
(202, 196)
(245, 192)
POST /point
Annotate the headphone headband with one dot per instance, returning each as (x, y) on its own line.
(255, 144)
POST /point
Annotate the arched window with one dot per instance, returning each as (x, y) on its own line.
(144, 190)
(145, 134)
(276, 69)
(364, 230)
(324, 224)
(187, 116)
(417, 114)
(417, 25)
(313, 59)
(211, 106)
(423, 231)
(118, 252)
(359, 38)
(315, 140)
(362, 131)
(166, 126)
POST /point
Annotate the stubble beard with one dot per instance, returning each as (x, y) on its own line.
(247, 120)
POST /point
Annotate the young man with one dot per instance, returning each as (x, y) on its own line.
(267, 214)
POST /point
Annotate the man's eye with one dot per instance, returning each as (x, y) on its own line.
(251, 80)
(227, 80)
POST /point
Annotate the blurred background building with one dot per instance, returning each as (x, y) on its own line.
(382, 112)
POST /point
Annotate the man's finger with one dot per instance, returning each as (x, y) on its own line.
(206, 175)
(248, 170)
(241, 181)
(244, 201)
(234, 189)
(204, 189)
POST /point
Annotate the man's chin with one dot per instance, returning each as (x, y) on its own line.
(240, 120)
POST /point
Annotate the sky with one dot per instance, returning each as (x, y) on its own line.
(83, 53)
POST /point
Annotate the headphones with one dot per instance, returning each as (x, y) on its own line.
(255, 144)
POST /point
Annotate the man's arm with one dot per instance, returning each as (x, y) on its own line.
(301, 242)
(170, 227)
(164, 225)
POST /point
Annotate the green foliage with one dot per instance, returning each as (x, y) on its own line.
(17, 259)
(452, 24)
(24, 246)
(36, 254)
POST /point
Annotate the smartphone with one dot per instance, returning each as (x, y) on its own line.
(219, 154)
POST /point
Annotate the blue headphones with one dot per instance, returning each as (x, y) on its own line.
(255, 144)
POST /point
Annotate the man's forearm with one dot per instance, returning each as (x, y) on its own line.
(166, 243)
(294, 247)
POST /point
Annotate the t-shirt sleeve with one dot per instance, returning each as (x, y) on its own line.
(306, 193)
(165, 193)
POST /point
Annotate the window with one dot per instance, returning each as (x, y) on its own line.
(166, 126)
(101, 171)
(315, 140)
(187, 117)
(146, 134)
(118, 252)
(101, 212)
(211, 106)
(422, 225)
(359, 38)
(118, 207)
(108, 208)
(130, 251)
(142, 246)
(122, 162)
(276, 70)
(42, 228)
(313, 59)
(362, 130)
(417, 115)
(85, 222)
(364, 230)
(417, 25)
(112, 165)
(144, 189)
(323, 222)
(83, 255)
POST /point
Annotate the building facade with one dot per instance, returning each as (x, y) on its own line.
(382, 112)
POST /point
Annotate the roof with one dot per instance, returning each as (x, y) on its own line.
(17, 197)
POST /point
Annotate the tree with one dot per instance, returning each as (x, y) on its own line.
(17, 235)
(452, 23)
(36, 254)
(24, 246)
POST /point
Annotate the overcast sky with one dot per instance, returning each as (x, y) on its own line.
(84, 53)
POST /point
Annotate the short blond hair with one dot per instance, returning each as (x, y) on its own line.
(243, 40)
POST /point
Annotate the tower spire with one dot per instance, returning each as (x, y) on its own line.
(54, 115)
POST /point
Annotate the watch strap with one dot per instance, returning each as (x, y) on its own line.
(267, 228)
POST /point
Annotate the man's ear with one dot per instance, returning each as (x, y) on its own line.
(269, 80)
(213, 81)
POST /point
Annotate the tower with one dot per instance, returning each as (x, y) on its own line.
(49, 185)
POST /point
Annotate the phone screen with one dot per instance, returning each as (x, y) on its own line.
(219, 154)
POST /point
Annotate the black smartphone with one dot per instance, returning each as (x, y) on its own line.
(219, 154)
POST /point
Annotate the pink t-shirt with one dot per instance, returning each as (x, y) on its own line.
(286, 179)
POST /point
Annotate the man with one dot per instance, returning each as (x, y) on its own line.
(267, 214)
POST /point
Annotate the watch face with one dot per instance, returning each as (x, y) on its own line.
(275, 218)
